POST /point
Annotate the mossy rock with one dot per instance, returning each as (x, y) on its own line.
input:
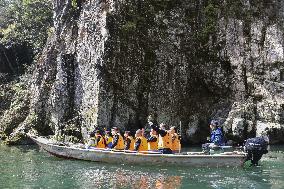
(18, 139)
(3, 136)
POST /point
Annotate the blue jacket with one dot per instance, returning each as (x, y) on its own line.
(217, 136)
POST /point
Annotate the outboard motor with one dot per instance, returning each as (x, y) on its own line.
(255, 147)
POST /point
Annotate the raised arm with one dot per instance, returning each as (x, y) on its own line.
(152, 139)
(158, 130)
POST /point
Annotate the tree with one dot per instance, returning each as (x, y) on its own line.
(25, 21)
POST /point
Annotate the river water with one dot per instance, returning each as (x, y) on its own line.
(29, 167)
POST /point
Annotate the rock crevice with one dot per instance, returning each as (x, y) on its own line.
(112, 63)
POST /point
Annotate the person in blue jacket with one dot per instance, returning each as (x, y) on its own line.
(216, 136)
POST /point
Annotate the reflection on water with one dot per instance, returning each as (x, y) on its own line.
(120, 177)
(169, 182)
(142, 180)
(27, 167)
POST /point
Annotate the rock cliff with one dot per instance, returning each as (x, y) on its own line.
(113, 62)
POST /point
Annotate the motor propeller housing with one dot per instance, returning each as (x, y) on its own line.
(255, 147)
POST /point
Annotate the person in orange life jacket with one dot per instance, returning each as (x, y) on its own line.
(100, 140)
(153, 141)
(108, 139)
(117, 142)
(176, 146)
(140, 141)
(165, 138)
(96, 140)
(128, 141)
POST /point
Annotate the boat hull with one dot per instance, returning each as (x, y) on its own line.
(121, 157)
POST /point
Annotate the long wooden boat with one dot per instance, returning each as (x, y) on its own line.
(192, 159)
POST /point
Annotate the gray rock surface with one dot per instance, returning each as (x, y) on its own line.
(112, 63)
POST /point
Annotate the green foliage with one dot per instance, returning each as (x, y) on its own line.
(235, 8)
(17, 139)
(74, 4)
(246, 11)
(18, 108)
(25, 21)
(90, 114)
(58, 137)
(210, 22)
(129, 26)
(32, 119)
(3, 136)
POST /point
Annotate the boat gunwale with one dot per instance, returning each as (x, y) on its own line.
(240, 155)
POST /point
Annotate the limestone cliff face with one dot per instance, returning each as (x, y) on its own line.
(113, 62)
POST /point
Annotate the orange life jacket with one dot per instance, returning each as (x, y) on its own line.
(143, 145)
(175, 142)
(101, 143)
(153, 145)
(132, 143)
(165, 142)
(120, 143)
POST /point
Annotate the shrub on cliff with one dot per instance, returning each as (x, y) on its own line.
(25, 21)
(18, 105)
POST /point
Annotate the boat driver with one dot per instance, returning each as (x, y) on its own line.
(216, 136)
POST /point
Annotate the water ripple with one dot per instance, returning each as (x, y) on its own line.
(27, 167)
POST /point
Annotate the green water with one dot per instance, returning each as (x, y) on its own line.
(29, 167)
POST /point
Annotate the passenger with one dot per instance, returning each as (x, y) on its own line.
(92, 140)
(216, 138)
(100, 140)
(140, 142)
(153, 141)
(165, 138)
(108, 139)
(128, 141)
(96, 140)
(117, 142)
(176, 146)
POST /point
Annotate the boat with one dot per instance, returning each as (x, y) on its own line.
(189, 159)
